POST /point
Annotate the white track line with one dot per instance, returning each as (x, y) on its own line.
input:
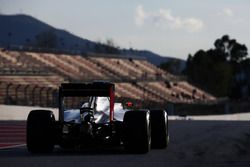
(11, 147)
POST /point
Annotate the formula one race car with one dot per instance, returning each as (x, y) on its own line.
(97, 120)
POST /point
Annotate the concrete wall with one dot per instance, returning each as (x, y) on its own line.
(9, 112)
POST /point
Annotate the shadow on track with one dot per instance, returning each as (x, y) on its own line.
(23, 152)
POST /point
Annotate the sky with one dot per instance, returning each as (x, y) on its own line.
(172, 28)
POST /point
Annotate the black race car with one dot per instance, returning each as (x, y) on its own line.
(96, 121)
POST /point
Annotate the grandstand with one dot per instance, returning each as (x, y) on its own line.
(30, 78)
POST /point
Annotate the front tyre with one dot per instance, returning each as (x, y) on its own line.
(40, 131)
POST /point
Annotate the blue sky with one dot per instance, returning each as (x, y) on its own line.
(168, 27)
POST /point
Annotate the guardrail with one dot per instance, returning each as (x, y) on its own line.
(28, 95)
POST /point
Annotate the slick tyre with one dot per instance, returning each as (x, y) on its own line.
(137, 131)
(159, 129)
(40, 131)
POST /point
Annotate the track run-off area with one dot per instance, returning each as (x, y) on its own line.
(12, 134)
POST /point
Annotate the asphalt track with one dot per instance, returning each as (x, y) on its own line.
(192, 143)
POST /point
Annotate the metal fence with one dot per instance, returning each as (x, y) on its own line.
(28, 95)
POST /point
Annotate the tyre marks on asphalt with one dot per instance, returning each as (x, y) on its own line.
(12, 134)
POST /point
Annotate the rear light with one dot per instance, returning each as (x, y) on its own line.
(129, 104)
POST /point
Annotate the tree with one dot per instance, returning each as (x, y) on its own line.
(238, 53)
(110, 46)
(210, 75)
(173, 66)
(231, 49)
(9, 36)
(110, 42)
(223, 71)
(46, 39)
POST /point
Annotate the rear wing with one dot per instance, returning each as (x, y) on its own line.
(105, 89)
(86, 89)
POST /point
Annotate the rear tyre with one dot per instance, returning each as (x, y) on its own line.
(137, 131)
(40, 131)
(159, 129)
